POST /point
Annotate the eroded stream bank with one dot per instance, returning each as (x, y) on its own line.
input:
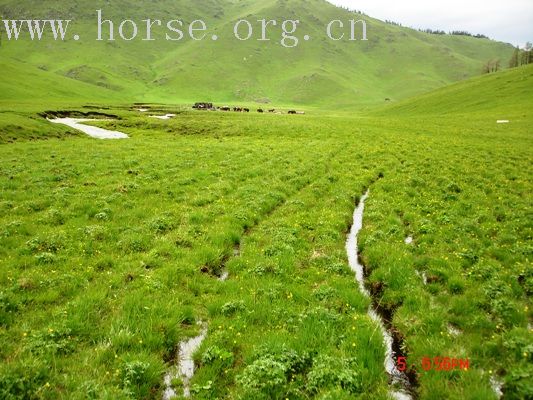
(402, 385)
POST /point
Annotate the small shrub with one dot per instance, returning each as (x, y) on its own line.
(45, 258)
(279, 249)
(216, 354)
(52, 341)
(52, 244)
(324, 293)
(138, 378)
(104, 264)
(134, 373)
(232, 307)
(22, 382)
(55, 217)
(95, 232)
(265, 376)
(264, 269)
(196, 389)
(330, 372)
(102, 216)
(161, 225)
(135, 244)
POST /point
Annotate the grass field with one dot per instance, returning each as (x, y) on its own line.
(110, 250)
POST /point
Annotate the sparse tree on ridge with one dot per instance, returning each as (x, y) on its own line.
(492, 66)
(522, 56)
(527, 56)
(515, 59)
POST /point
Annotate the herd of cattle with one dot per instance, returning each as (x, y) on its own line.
(211, 107)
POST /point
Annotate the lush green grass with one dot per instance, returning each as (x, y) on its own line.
(498, 96)
(104, 243)
(120, 275)
(110, 250)
(394, 63)
(465, 198)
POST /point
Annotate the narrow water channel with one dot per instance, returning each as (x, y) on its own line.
(184, 371)
(399, 382)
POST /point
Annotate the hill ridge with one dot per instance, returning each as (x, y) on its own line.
(394, 63)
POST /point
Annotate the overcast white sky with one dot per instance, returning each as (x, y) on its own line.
(505, 20)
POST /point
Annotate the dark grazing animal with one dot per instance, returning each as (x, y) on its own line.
(260, 110)
(292, 112)
(203, 106)
(246, 109)
(272, 110)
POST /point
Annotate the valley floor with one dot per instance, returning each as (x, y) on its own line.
(111, 253)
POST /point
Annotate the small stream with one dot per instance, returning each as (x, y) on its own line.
(399, 382)
(497, 386)
(185, 368)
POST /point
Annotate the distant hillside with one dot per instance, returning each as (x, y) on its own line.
(506, 93)
(394, 63)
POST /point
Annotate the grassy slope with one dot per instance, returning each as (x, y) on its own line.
(29, 83)
(319, 72)
(499, 95)
(30, 91)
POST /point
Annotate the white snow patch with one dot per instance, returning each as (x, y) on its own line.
(93, 131)
(166, 116)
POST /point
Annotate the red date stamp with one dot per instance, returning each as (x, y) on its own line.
(435, 364)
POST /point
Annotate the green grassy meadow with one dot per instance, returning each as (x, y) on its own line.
(110, 251)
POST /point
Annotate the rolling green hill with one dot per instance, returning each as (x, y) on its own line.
(394, 63)
(502, 95)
